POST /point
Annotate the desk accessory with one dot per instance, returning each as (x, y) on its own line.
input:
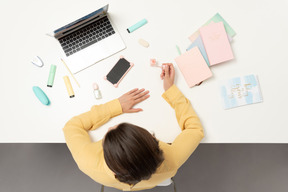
(118, 72)
(240, 91)
(137, 25)
(97, 92)
(199, 43)
(69, 86)
(178, 50)
(193, 67)
(216, 43)
(51, 76)
(41, 95)
(216, 19)
(70, 72)
(154, 63)
(37, 61)
(143, 43)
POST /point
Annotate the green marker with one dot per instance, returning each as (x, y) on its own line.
(178, 49)
(51, 76)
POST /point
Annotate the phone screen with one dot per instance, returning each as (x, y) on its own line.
(118, 71)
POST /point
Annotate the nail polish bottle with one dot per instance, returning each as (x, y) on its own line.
(97, 92)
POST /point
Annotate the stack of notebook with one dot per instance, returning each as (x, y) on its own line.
(210, 46)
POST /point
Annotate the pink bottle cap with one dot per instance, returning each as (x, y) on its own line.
(95, 86)
(153, 62)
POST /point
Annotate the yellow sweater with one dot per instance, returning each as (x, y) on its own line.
(89, 155)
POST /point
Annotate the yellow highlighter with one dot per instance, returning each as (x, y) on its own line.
(69, 86)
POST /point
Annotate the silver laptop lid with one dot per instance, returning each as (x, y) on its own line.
(83, 21)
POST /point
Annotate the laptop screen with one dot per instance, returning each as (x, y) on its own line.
(58, 32)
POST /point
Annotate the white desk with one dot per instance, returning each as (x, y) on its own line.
(260, 47)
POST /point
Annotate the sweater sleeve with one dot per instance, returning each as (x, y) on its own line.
(76, 129)
(192, 132)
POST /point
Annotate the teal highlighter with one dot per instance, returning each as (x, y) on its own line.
(41, 95)
(137, 25)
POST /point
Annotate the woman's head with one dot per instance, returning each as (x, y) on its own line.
(132, 153)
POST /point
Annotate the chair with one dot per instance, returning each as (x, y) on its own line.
(166, 182)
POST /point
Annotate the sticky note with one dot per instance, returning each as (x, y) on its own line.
(216, 43)
(193, 67)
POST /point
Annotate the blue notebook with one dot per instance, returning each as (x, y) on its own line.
(240, 91)
(199, 43)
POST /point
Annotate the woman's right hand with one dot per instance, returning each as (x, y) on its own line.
(167, 75)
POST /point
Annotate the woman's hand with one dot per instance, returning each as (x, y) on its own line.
(167, 75)
(128, 100)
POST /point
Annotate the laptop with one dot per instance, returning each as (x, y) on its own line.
(88, 40)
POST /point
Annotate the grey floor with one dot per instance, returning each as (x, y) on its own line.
(211, 168)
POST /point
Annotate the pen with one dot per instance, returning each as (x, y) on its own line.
(70, 72)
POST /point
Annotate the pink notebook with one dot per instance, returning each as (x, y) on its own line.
(193, 67)
(216, 43)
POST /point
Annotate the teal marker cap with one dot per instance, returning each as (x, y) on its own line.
(137, 25)
(51, 76)
(41, 95)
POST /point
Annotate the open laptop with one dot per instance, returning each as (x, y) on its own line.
(89, 40)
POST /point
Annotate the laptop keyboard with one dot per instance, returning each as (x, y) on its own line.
(86, 36)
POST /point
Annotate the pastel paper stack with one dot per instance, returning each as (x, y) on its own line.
(193, 67)
(197, 40)
(216, 43)
(216, 19)
(199, 43)
(210, 46)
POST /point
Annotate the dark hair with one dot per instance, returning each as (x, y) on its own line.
(132, 153)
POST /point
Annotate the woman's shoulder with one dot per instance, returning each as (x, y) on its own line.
(92, 158)
(169, 163)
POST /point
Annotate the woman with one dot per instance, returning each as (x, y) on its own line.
(129, 158)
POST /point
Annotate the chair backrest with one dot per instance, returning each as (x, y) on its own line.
(165, 182)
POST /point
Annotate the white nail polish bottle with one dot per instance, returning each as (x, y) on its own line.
(97, 92)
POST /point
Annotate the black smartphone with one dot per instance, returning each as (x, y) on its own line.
(118, 72)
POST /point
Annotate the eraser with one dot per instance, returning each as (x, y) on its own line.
(137, 25)
(143, 43)
(41, 95)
